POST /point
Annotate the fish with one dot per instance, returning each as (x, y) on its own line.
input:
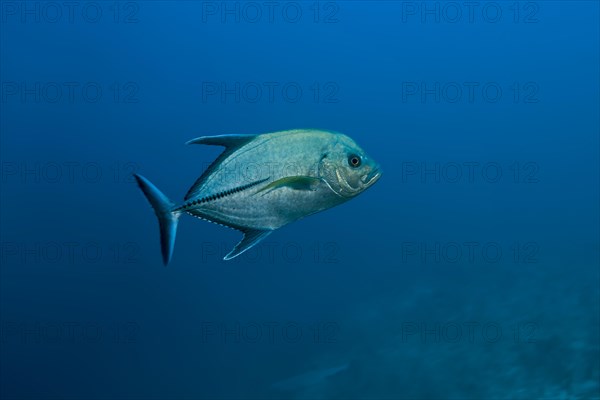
(262, 182)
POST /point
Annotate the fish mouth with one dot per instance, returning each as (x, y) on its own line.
(372, 177)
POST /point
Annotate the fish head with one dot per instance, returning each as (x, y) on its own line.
(347, 168)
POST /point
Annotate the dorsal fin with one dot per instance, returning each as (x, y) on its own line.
(251, 238)
(231, 144)
(228, 141)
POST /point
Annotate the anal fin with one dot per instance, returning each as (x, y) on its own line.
(251, 238)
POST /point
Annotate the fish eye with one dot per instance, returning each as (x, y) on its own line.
(354, 161)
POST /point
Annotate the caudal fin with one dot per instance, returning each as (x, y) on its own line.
(167, 219)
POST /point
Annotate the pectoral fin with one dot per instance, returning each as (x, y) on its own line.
(251, 238)
(293, 182)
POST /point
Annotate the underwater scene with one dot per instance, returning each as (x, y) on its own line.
(299, 199)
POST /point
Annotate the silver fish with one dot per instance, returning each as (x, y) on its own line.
(263, 182)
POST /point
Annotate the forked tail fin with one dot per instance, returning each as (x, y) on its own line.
(167, 218)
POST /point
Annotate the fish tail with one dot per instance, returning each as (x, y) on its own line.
(167, 217)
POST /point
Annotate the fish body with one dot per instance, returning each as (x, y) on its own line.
(263, 182)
